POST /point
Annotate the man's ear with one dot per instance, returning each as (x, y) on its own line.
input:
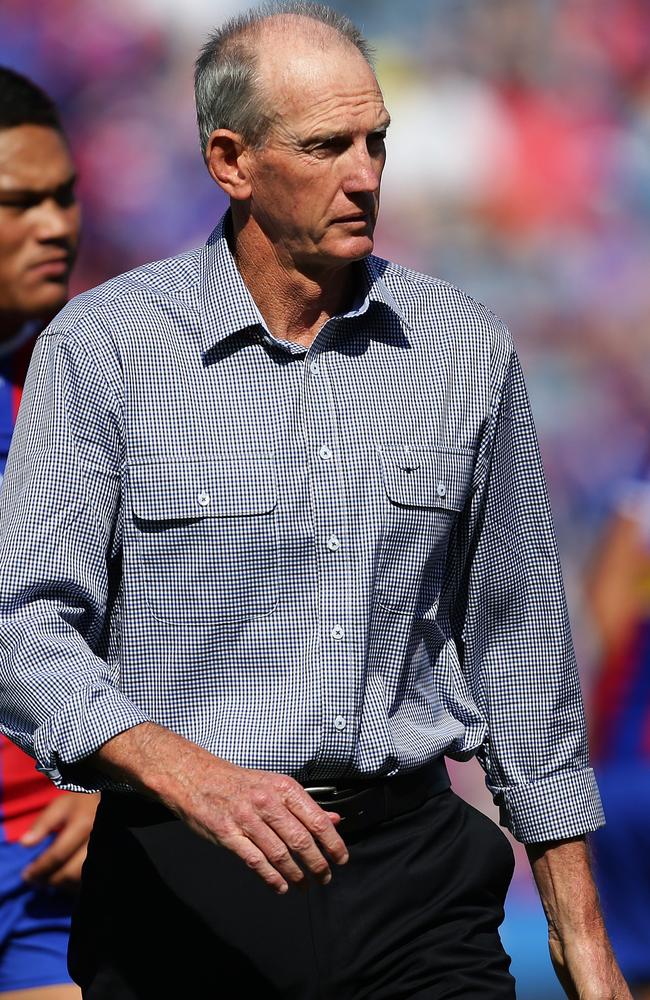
(225, 159)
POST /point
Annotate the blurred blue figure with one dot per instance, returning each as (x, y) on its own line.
(620, 597)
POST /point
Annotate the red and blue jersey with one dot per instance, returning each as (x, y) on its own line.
(622, 702)
(622, 696)
(24, 791)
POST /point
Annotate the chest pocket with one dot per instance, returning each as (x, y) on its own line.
(206, 538)
(425, 488)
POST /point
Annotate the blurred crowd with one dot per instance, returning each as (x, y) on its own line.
(518, 168)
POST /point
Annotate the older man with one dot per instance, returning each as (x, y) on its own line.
(301, 549)
(43, 832)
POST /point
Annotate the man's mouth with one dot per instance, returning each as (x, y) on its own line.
(353, 217)
(52, 267)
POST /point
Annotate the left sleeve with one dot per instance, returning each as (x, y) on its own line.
(510, 624)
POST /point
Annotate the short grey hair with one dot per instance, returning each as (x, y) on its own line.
(227, 87)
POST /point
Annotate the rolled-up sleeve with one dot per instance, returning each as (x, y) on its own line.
(60, 551)
(512, 632)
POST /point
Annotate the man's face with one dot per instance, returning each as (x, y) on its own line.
(39, 221)
(315, 183)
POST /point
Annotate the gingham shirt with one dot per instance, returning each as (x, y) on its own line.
(327, 562)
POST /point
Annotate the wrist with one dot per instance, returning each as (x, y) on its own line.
(147, 757)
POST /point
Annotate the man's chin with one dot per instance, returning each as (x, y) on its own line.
(353, 248)
(335, 255)
(48, 302)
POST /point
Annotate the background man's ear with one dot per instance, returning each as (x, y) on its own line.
(226, 161)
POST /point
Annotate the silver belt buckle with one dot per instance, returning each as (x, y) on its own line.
(322, 792)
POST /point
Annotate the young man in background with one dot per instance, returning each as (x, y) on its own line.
(43, 832)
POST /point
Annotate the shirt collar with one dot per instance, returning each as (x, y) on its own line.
(228, 307)
(377, 289)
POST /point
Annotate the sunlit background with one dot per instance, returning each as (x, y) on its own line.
(518, 168)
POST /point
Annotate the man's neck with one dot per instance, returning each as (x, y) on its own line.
(16, 329)
(11, 324)
(15, 338)
(294, 305)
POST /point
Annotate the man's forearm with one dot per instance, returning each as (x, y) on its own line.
(563, 875)
(580, 948)
(150, 758)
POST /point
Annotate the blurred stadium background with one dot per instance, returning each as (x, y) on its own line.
(518, 168)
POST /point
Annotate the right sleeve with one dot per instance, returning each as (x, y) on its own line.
(60, 553)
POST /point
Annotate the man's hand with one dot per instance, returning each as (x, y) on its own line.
(266, 819)
(70, 816)
(580, 949)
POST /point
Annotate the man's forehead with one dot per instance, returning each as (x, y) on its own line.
(33, 158)
(306, 68)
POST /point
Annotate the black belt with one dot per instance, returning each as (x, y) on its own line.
(363, 804)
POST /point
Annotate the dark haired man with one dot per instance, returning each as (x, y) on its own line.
(307, 552)
(43, 831)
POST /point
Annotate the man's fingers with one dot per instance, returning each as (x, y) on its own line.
(301, 844)
(57, 854)
(41, 869)
(48, 819)
(254, 859)
(68, 876)
(320, 824)
(276, 850)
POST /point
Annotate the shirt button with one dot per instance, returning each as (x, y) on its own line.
(333, 543)
(325, 452)
(337, 632)
(340, 723)
(204, 499)
(442, 490)
(313, 367)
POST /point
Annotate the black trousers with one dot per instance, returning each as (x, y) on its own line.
(414, 914)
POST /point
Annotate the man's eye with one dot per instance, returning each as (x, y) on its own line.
(66, 197)
(376, 138)
(18, 206)
(328, 144)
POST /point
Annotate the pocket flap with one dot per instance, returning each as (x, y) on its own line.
(427, 477)
(211, 487)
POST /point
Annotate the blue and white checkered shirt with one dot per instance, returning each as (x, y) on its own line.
(327, 562)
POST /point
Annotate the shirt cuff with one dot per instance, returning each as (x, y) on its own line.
(563, 805)
(90, 718)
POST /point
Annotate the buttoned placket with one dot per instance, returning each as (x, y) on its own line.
(336, 646)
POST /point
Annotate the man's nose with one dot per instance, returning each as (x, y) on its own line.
(364, 173)
(55, 221)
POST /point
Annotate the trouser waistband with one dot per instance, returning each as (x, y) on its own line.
(362, 805)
